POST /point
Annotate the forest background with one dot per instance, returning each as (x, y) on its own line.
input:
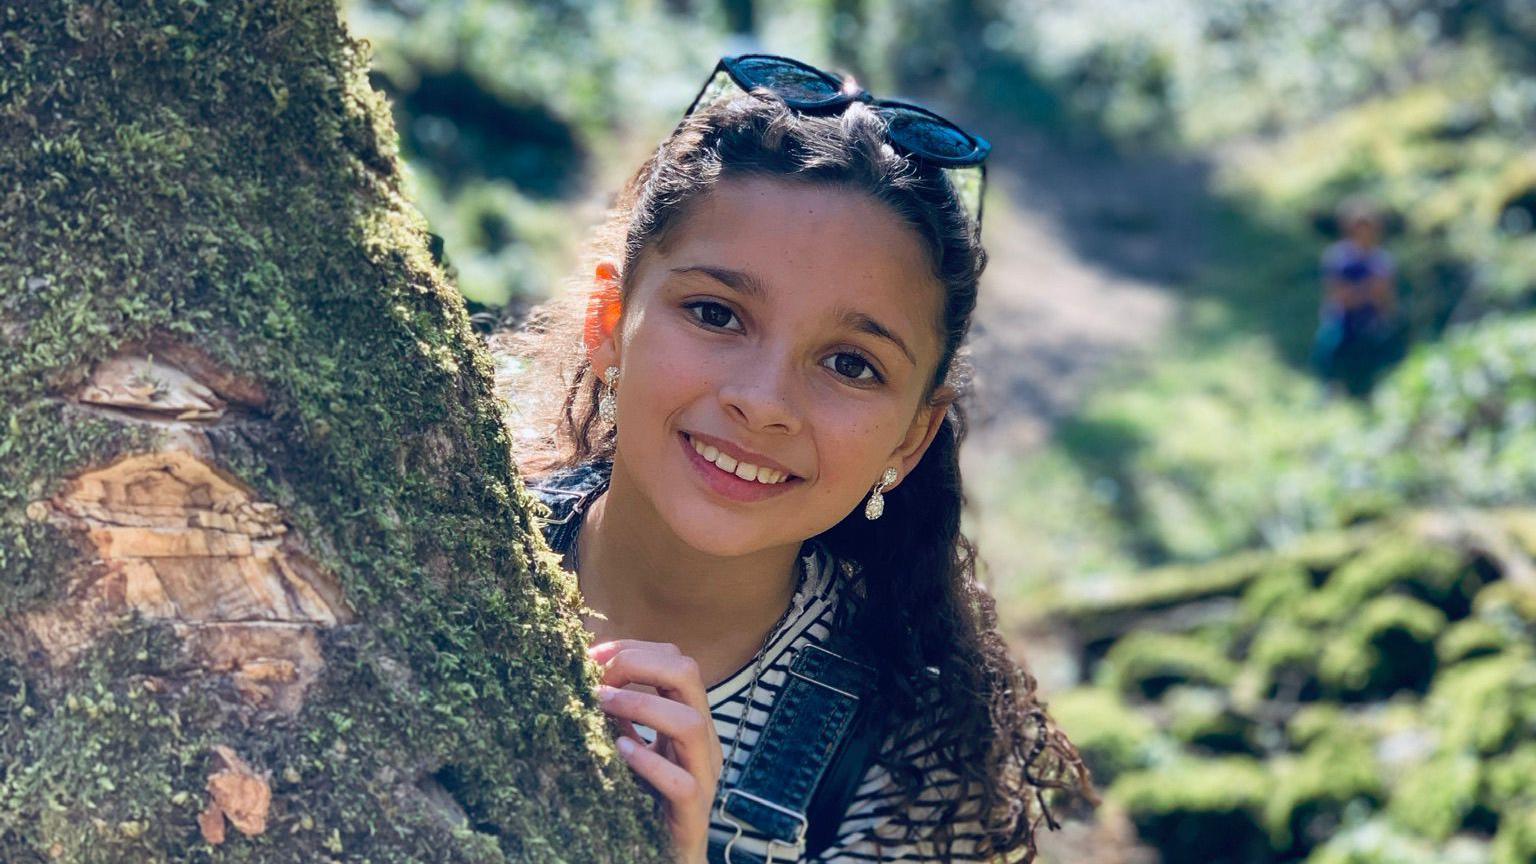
(1284, 625)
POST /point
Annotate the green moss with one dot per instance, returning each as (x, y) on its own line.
(1275, 592)
(1471, 638)
(1281, 663)
(1511, 779)
(1312, 792)
(1203, 718)
(1516, 841)
(1486, 704)
(1403, 565)
(1378, 841)
(1317, 721)
(1161, 588)
(1387, 647)
(1506, 599)
(1111, 737)
(1146, 664)
(1199, 810)
(1433, 798)
(222, 174)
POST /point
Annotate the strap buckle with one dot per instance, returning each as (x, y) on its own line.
(569, 493)
(798, 842)
(793, 671)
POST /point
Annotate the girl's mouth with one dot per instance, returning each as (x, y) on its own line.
(728, 484)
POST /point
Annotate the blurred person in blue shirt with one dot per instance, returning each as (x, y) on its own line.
(1358, 319)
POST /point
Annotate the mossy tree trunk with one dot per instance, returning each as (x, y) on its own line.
(269, 589)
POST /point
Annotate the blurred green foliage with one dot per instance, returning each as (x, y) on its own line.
(1220, 439)
(508, 111)
(1355, 744)
(518, 120)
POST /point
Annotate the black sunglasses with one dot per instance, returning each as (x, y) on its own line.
(912, 129)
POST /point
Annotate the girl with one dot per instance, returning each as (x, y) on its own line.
(751, 462)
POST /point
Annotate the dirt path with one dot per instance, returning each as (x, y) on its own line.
(1084, 248)
(1087, 252)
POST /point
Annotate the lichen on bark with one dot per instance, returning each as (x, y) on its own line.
(238, 396)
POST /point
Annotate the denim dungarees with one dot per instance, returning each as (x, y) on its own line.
(813, 750)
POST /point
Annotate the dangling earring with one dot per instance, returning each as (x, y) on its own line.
(876, 503)
(606, 407)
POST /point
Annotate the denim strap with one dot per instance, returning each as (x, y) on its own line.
(809, 725)
(567, 493)
(810, 718)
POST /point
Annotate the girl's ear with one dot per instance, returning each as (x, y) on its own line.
(925, 425)
(604, 306)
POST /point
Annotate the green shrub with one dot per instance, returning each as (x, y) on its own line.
(1387, 647)
(1111, 737)
(1402, 564)
(1474, 637)
(1312, 792)
(1145, 664)
(1433, 798)
(1204, 718)
(1486, 704)
(1200, 811)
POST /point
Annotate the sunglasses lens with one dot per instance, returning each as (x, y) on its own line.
(927, 135)
(788, 80)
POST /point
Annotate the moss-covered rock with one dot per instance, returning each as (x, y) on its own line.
(1146, 664)
(1312, 792)
(1474, 637)
(1516, 841)
(1200, 811)
(1203, 718)
(1371, 701)
(1486, 705)
(1405, 565)
(1433, 798)
(1111, 737)
(1281, 664)
(1386, 647)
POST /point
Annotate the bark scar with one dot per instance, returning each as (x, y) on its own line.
(177, 540)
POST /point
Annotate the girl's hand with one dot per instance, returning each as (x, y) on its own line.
(684, 763)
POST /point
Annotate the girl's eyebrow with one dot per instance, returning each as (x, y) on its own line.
(739, 281)
(859, 321)
(749, 285)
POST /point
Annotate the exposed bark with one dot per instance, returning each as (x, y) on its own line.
(269, 589)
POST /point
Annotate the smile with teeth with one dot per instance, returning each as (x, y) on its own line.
(744, 470)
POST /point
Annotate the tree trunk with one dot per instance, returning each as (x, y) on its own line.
(269, 588)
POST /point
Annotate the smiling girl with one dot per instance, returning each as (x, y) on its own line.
(751, 464)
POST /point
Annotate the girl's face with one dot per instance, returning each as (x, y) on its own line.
(791, 326)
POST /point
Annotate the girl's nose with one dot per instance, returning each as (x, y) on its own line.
(760, 395)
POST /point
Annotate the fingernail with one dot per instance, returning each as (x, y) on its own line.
(604, 692)
(626, 746)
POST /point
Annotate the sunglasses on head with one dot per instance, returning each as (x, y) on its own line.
(912, 129)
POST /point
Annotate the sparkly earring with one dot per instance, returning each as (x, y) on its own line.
(606, 408)
(876, 503)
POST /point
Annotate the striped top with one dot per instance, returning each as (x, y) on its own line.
(872, 829)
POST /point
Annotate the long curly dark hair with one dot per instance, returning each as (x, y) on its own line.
(913, 571)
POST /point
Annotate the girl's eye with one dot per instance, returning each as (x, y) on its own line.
(714, 315)
(858, 363)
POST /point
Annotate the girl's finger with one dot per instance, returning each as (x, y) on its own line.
(674, 676)
(676, 784)
(604, 650)
(690, 732)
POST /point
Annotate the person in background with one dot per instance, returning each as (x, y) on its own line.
(1358, 315)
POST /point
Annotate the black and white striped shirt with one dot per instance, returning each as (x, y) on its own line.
(872, 829)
